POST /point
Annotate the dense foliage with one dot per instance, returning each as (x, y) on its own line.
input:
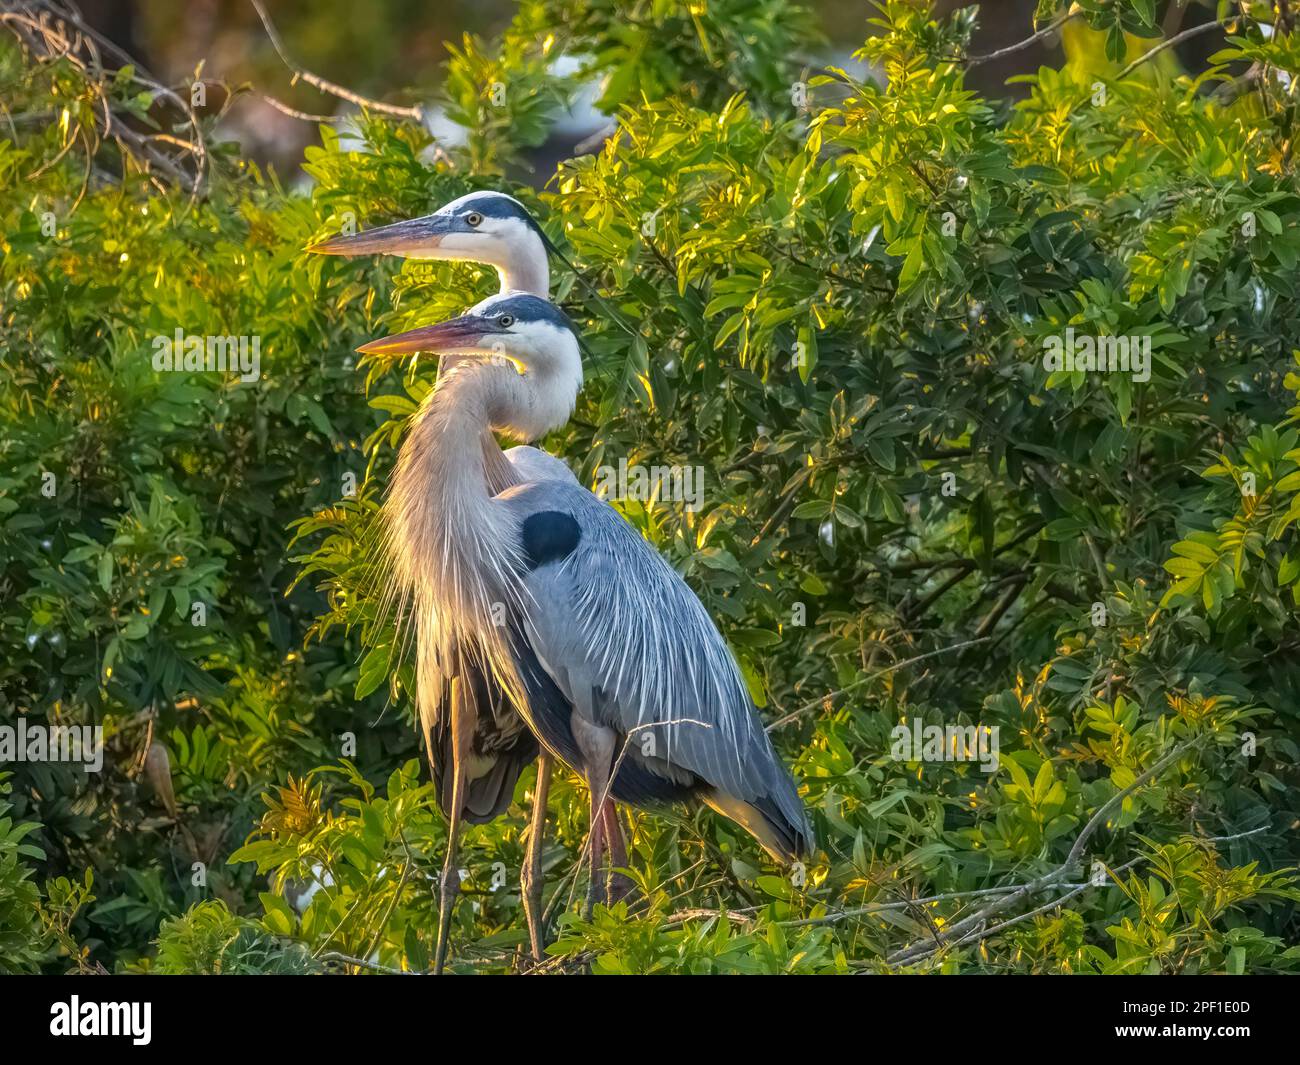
(834, 296)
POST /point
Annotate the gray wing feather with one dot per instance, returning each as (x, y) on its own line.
(630, 645)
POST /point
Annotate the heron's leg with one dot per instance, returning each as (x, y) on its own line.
(462, 729)
(619, 885)
(530, 878)
(450, 880)
(596, 742)
(595, 888)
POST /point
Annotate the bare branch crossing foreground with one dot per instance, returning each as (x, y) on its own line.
(971, 928)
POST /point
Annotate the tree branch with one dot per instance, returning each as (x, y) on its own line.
(347, 959)
(1020, 46)
(416, 114)
(958, 931)
(1177, 38)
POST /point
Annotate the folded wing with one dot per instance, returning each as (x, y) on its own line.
(613, 632)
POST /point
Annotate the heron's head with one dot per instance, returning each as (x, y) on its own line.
(482, 227)
(530, 336)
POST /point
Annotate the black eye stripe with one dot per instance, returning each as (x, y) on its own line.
(525, 308)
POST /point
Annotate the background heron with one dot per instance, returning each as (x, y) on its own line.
(603, 648)
(494, 229)
(482, 227)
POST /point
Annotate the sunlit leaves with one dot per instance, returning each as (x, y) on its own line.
(833, 296)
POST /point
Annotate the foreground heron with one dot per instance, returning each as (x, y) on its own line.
(545, 590)
(496, 230)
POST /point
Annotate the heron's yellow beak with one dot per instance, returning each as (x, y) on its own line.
(414, 238)
(460, 335)
(468, 335)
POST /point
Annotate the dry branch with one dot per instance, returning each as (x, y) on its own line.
(323, 84)
(974, 927)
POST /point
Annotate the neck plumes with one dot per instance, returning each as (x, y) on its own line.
(454, 551)
(455, 565)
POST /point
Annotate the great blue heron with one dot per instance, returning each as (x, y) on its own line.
(482, 227)
(496, 230)
(545, 590)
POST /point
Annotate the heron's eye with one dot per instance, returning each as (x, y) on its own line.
(473, 218)
(506, 321)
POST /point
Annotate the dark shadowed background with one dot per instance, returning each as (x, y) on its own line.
(394, 49)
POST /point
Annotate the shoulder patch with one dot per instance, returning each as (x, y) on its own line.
(549, 536)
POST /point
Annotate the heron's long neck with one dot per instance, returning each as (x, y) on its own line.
(527, 271)
(454, 550)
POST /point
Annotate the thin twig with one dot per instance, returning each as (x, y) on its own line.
(324, 85)
(1020, 46)
(347, 959)
(293, 112)
(794, 714)
(57, 32)
(958, 931)
(401, 886)
(786, 504)
(1004, 603)
(1177, 38)
(952, 896)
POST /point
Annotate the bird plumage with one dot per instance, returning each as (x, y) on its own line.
(476, 747)
(631, 648)
(542, 618)
(504, 746)
(543, 591)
